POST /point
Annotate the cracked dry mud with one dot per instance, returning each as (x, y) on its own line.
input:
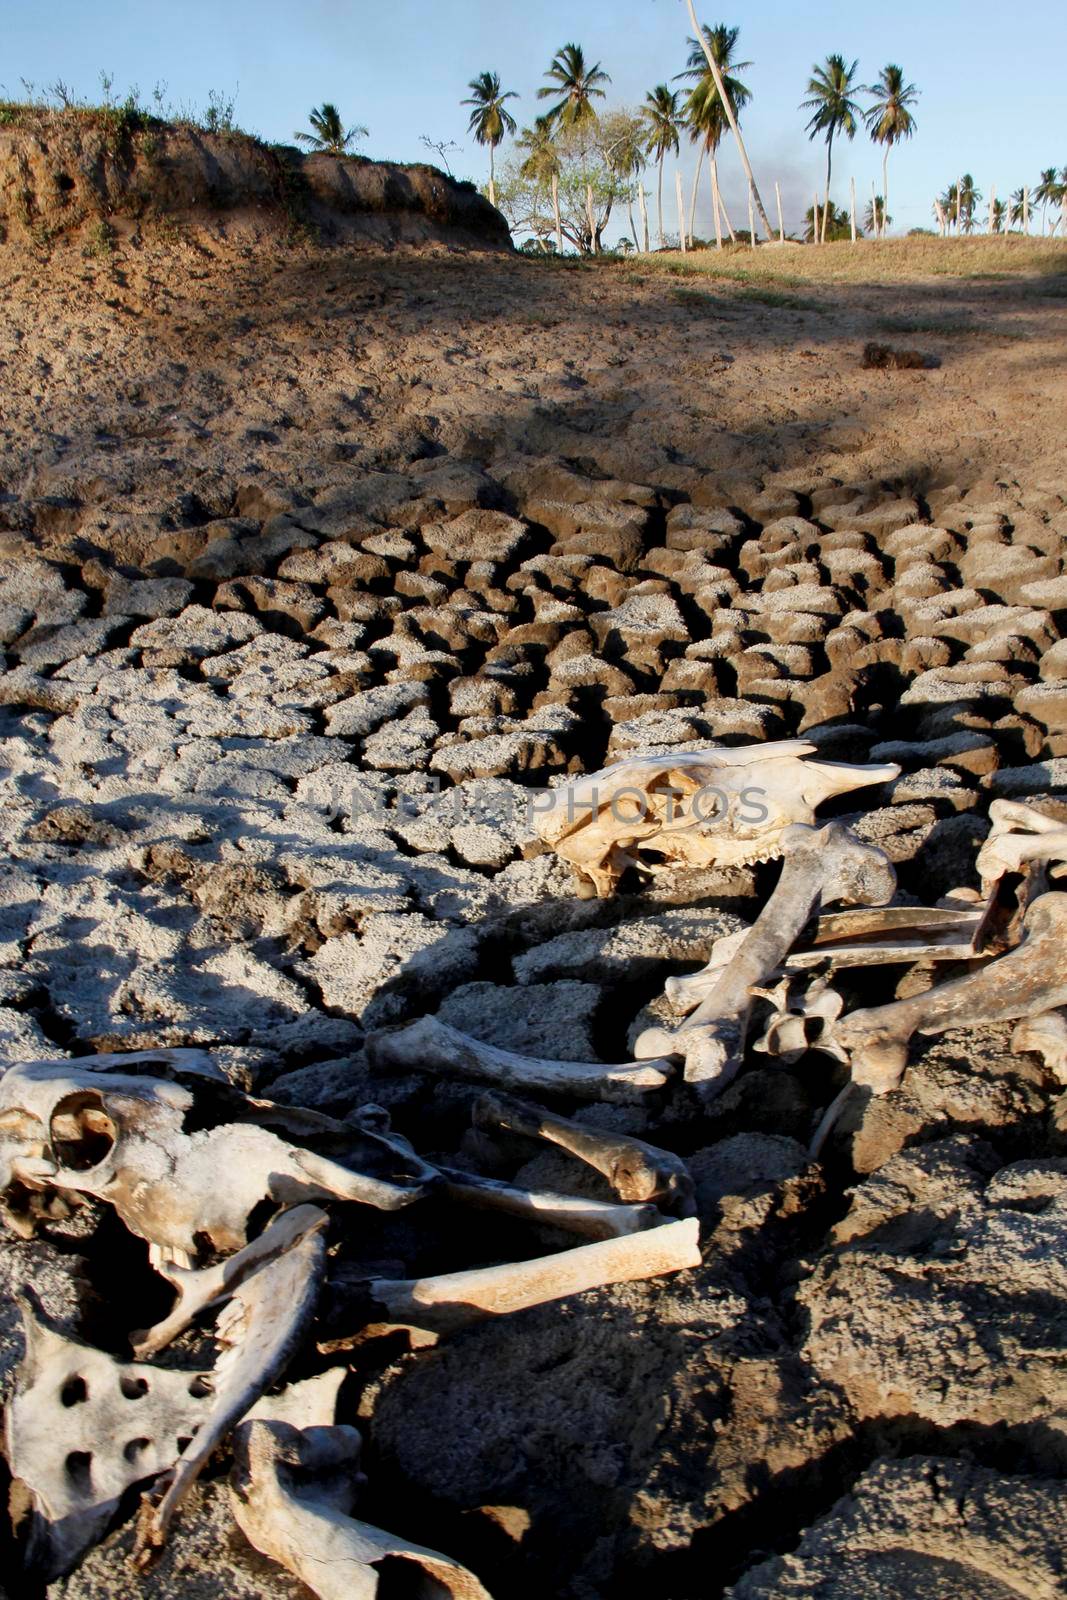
(315, 564)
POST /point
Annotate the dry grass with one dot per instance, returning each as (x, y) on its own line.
(889, 261)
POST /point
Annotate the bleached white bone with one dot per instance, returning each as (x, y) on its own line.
(122, 1138)
(291, 1497)
(81, 1428)
(712, 807)
(635, 1170)
(1046, 1036)
(259, 1330)
(454, 1299)
(597, 1219)
(430, 1045)
(1027, 982)
(822, 866)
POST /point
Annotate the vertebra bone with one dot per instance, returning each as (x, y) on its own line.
(822, 865)
(1027, 982)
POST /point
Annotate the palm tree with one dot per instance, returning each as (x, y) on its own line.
(663, 119)
(875, 215)
(889, 119)
(574, 86)
(1047, 193)
(330, 133)
(716, 73)
(1020, 208)
(816, 229)
(706, 112)
(950, 203)
(998, 216)
(969, 197)
(490, 119)
(829, 97)
(579, 86)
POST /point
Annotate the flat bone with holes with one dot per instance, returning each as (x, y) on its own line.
(715, 807)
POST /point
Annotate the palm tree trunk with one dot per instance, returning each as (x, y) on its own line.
(885, 189)
(659, 197)
(715, 201)
(633, 229)
(643, 209)
(492, 173)
(555, 212)
(693, 203)
(592, 219)
(731, 119)
(829, 157)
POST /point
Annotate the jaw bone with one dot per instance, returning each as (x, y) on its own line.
(718, 807)
(822, 865)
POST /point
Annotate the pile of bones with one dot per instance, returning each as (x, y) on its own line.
(244, 1204)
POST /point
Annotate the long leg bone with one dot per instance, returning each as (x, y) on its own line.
(454, 1299)
(1020, 835)
(597, 1219)
(430, 1045)
(635, 1170)
(822, 865)
(1026, 982)
(260, 1329)
(291, 1497)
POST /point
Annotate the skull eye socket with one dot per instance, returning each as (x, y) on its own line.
(81, 1132)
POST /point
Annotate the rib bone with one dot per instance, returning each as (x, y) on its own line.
(597, 1219)
(635, 1170)
(430, 1045)
(822, 865)
(1026, 982)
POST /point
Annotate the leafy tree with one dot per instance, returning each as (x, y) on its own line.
(490, 119)
(329, 132)
(705, 111)
(589, 185)
(574, 86)
(1020, 208)
(623, 144)
(834, 110)
(874, 216)
(889, 118)
(540, 166)
(839, 225)
(664, 119)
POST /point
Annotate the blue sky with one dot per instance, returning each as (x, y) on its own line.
(402, 69)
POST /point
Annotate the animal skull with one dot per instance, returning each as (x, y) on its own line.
(68, 1127)
(713, 807)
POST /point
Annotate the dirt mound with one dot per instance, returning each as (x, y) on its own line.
(79, 174)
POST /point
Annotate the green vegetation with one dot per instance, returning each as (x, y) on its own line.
(328, 133)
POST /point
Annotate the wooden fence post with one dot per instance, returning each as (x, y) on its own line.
(852, 198)
(781, 224)
(681, 207)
